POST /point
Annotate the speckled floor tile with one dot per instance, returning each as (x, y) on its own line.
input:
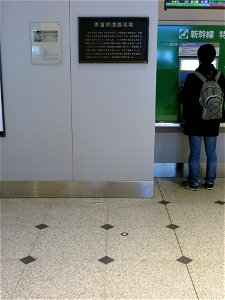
(141, 214)
(151, 243)
(120, 203)
(208, 277)
(157, 193)
(143, 249)
(17, 241)
(202, 242)
(192, 214)
(77, 243)
(29, 211)
(66, 212)
(172, 191)
(11, 271)
(62, 279)
(148, 279)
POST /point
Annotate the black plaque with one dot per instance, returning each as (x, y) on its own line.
(113, 40)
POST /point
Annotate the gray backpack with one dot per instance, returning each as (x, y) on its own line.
(211, 97)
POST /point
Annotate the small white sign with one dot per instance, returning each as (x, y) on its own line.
(46, 43)
(191, 49)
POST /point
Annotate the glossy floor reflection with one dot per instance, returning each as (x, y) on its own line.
(168, 247)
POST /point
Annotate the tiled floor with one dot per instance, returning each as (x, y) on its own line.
(169, 247)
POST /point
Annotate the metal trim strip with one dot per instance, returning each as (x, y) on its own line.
(76, 189)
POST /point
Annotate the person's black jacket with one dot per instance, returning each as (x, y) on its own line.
(192, 110)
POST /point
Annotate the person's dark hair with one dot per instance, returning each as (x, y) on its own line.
(206, 53)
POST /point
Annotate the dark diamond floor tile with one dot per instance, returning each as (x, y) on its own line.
(172, 226)
(184, 260)
(220, 202)
(106, 260)
(27, 259)
(107, 226)
(41, 226)
(164, 202)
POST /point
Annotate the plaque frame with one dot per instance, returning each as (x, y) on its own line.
(113, 39)
(46, 43)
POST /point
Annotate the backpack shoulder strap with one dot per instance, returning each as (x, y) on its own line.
(200, 76)
(217, 76)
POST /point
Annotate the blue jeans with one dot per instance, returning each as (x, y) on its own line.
(194, 159)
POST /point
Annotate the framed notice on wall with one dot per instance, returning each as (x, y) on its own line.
(2, 123)
(46, 43)
(113, 39)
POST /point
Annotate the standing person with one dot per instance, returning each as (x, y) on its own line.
(194, 126)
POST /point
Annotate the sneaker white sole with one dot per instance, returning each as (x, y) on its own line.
(189, 188)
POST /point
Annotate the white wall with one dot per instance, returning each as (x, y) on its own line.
(97, 124)
(38, 144)
(114, 104)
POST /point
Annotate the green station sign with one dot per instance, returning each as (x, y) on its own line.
(175, 44)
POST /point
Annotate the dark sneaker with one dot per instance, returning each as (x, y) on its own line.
(189, 186)
(209, 186)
